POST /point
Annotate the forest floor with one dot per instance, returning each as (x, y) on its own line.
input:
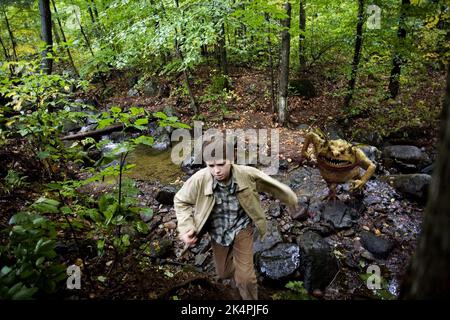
(247, 106)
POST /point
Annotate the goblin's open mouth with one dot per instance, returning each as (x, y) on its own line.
(335, 162)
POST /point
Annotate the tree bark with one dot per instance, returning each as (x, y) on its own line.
(398, 60)
(5, 51)
(429, 276)
(356, 56)
(63, 36)
(283, 114)
(222, 54)
(301, 37)
(271, 68)
(46, 35)
(11, 35)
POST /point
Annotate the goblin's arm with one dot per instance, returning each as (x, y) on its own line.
(315, 140)
(366, 164)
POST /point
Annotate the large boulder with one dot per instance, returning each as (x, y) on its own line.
(413, 186)
(379, 247)
(318, 264)
(161, 136)
(404, 158)
(280, 262)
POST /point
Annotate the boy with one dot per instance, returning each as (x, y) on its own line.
(223, 200)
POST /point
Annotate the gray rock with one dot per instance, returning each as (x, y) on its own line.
(279, 262)
(405, 158)
(339, 214)
(166, 194)
(414, 186)
(371, 152)
(159, 248)
(428, 169)
(132, 92)
(273, 237)
(318, 264)
(275, 209)
(379, 247)
(160, 135)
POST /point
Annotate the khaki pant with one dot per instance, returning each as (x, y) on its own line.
(235, 262)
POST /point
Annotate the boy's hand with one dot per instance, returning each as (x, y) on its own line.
(189, 238)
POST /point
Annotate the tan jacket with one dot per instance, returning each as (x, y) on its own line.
(195, 200)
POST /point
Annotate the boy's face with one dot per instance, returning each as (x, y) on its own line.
(220, 169)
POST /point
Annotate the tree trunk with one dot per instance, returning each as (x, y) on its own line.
(11, 35)
(222, 54)
(91, 14)
(301, 37)
(398, 60)
(429, 276)
(187, 78)
(63, 36)
(271, 68)
(55, 32)
(283, 114)
(7, 58)
(46, 35)
(356, 56)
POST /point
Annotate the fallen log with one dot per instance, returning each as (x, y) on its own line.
(94, 133)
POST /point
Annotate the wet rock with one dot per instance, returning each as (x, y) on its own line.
(318, 264)
(322, 228)
(414, 186)
(406, 159)
(334, 131)
(379, 247)
(302, 87)
(428, 169)
(166, 194)
(283, 164)
(371, 152)
(339, 214)
(279, 262)
(164, 91)
(273, 237)
(171, 111)
(200, 259)
(161, 136)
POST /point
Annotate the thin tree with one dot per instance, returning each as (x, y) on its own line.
(429, 275)
(301, 37)
(64, 39)
(356, 56)
(283, 114)
(398, 60)
(46, 35)
(10, 33)
(271, 67)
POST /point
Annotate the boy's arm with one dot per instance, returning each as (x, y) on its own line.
(265, 183)
(184, 202)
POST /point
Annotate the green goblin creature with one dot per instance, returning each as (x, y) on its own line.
(338, 162)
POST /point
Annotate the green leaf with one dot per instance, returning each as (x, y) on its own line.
(148, 141)
(136, 111)
(116, 110)
(142, 227)
(46, 205)
(104, 123)
(140, 122)
(160, 115)
(126, 240)
(147, 213)
(43, 155)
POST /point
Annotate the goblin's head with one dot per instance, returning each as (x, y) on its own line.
(337, 154)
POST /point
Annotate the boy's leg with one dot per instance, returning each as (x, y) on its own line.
(223, 260)
(244, 274)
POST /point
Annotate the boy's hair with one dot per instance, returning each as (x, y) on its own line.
(218, 147)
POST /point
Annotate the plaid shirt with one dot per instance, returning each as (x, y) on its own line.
(227, 216)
